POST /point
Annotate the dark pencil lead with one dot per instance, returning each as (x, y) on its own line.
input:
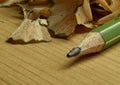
(74, 52)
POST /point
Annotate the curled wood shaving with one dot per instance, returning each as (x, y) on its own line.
(87, 10)
(35, 12)
(84, 14)
(10, 2)
(61, 12)
(66, 27)
(39, 2)
(31, 30)
(115, 5)
(108, 18)
(109, 5)
(104, 4)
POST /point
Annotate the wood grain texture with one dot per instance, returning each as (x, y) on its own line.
(46, 63)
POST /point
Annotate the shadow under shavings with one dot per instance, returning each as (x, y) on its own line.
(98, 12)
(81, 29)
(59, 36)
(79, 60)
(17, 42)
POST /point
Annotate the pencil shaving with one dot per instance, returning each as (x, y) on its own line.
(108, 18)
(60, 13)
(35, 12)
(39, 2)
(115, 12)
(31, 31)
(115, 5)
(104, 4)
(84, 15)
(10, 2)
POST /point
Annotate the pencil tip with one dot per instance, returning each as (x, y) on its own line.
(74, 52)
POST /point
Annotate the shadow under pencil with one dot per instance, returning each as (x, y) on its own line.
(79, 60)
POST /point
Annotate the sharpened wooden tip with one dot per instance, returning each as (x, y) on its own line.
(74, 52)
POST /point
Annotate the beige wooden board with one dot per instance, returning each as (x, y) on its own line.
(46, 63)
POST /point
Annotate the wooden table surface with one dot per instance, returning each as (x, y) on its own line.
(46, 63)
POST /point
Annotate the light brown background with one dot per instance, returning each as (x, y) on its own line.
(46, 63)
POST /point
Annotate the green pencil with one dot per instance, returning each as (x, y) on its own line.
(98, 39)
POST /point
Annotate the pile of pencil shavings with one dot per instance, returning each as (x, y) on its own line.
(44, 18)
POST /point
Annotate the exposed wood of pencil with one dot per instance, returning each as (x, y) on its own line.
(92, 43)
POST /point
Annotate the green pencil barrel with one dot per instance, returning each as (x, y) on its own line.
(110, 32)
